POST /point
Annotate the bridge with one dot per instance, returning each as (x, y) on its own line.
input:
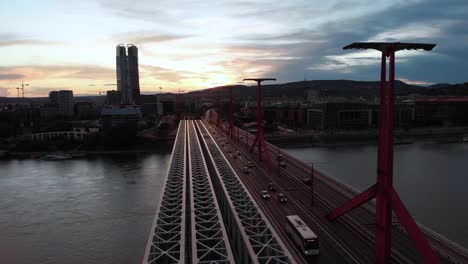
(211, 211)
(214, 208)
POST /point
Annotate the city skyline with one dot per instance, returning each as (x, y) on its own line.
(191, 45)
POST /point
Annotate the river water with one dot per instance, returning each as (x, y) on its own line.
(431, 178)
(95, 210)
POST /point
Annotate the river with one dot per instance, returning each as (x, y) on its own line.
(431, 179)
(95, 210)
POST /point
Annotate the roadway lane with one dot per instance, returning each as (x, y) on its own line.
(358, 224)
(332, 250)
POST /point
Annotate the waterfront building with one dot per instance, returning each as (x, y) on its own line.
(121, 123)
(60, 105)
(442, 111)
(65, 103)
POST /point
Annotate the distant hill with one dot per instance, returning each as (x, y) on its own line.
(439, 85)
(451, 89)
(346, 88)
(326, 87)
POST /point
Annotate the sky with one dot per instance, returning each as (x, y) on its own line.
(196, 44)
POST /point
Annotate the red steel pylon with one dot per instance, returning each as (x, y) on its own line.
(260, 138)
(231, 115)
(218, 109)
(386, 196)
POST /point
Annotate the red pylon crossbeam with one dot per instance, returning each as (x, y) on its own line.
(386, 196)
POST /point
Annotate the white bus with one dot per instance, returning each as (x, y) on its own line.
(302, 235)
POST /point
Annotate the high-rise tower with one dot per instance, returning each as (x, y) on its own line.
(128, 79)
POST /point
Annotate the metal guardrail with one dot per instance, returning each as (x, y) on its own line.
(166, 243)
(208, 234)
(250, 232)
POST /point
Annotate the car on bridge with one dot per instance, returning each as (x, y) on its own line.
(250, 164)
(246, 170)
(271, 187)
(282, 164)
(282, 198)
(265, 195)
(280, 157)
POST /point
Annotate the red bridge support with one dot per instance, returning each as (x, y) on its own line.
(386, 196)
(259, 138)
(218, 109)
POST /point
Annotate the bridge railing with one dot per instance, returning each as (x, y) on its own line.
(166, 243)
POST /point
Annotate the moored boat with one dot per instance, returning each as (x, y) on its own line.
(56, 156)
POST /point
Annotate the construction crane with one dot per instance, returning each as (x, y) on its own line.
(100, 91)
(22, 88)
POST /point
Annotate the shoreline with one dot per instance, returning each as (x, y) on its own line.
(369, 137)
(284, 144)
(77, 154)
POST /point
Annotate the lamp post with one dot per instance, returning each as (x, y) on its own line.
(386, 196)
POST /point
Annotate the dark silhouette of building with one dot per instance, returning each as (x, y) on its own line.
(86, 110)
(54, 97)
(128, 80)
(60, 104)
(113, 97)
(442, 111)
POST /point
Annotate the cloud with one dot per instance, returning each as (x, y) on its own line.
(142, 38)
(163, 74)
(13, 40)
(11, 76)
(415, 21)
(5, 43)
(60, 71)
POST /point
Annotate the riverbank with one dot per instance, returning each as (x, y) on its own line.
(147, 148)
(368, 137)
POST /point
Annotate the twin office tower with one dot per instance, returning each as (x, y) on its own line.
(128, 82)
